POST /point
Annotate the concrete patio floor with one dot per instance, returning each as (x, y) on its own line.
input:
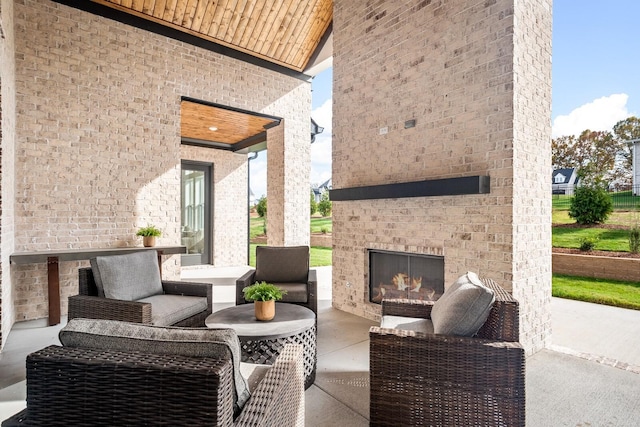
(590, 376)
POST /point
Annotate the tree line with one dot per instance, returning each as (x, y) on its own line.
(601, 158)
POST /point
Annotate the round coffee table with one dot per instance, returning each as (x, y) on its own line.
(261, 342)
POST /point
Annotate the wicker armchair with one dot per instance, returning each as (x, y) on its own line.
(286, 267)
(87, 304)
(439, 380)
(87, 387)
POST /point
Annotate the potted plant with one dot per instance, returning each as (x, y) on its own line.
(149, 234)
(264, 295)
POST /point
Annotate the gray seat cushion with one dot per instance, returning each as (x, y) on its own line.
(282, 264)
(407, 324)
(463, 308)
(168, 310)
(296, 292)
(195, 342)
(128, 277)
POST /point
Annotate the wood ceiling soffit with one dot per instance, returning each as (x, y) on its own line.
(285, 32)
(233, 127)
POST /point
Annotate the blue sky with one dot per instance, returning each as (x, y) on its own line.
(596, 77)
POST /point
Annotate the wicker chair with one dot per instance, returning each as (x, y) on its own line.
(87, 304)
(75, 386)
(439, 380)
(286, 267)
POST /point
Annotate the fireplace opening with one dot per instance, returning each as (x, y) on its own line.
(405, 275)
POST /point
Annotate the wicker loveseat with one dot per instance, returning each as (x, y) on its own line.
(422, 378)
(122, 374)
(165, 305)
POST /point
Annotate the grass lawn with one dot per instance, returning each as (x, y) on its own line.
(320, 223)
(256, 225)
(318, 256)
(599, 291)
(606, 239)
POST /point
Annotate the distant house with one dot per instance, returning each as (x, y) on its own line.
(317, 191)
(636, 166)
(564, 181)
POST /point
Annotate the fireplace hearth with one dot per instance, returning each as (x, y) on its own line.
(405, 275)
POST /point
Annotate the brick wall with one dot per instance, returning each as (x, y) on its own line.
(627, 269)
(449, 66)
(7, 150)
(98, 137)
(531, 166)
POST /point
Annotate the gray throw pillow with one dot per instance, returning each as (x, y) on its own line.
(128, 277)
(194, 342)
(463, 308)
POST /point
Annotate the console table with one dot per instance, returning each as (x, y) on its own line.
(54, 257)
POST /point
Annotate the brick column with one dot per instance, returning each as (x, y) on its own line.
(288, 171)
(531, 171)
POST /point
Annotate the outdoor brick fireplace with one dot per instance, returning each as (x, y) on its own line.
(441, 130)
(405, 275)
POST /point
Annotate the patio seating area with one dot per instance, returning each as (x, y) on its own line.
(590, 376)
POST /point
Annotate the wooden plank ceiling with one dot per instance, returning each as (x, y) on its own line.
(223, 127)
(285, 32)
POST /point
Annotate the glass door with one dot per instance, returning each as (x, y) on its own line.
(196, 213)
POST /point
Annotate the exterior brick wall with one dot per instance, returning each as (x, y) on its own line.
(7, 178)
(98, 138)
(449, 66)
(531, 166)
(288, 219)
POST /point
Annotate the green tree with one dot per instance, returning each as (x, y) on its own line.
(625, 131)
(592, 153)
(261, 206)
(324, 207)
(591, 204)
(313, 203)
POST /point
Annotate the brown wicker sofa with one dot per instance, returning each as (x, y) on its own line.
(90, 303)
(157, 376)
(420, 378)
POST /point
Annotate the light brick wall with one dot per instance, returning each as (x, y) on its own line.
(449, 65)
(98, 136)
(7, 152)
(531, 166)
(288, 219)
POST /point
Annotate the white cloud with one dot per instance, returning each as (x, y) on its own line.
(598, 115)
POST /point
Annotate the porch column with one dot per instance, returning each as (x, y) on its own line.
(288, 185)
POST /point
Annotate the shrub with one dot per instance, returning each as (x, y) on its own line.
(261, 206)
(324, 230)
(587, 244)
(634, 240)
(313, 204)
(324, 207)
(590, 205)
